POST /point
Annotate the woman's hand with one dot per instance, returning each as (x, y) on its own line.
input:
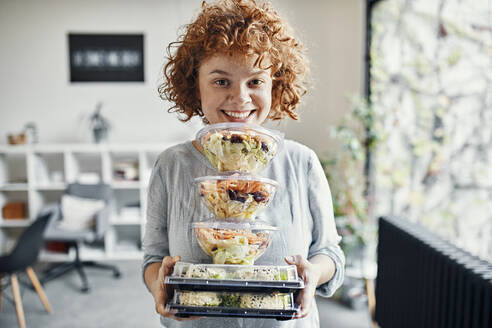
(311, 274)
(162, 292)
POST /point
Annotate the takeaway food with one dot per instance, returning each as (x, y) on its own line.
(236, 272)
(272, 301)
(233, 242)
(238, 146)
(236, 196)
(204, 272)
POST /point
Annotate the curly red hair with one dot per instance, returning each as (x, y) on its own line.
(236, 27)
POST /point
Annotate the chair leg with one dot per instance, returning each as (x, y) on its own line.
(35, 282)
(79, 266)
(56, 271)
(85, 283)
(371, 300)
(116, 271)
(18, 301)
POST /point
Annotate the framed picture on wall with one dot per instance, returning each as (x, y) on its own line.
(106, 57)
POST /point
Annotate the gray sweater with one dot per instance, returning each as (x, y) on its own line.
(301, 209)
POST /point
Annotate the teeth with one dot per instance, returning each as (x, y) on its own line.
(238, 114)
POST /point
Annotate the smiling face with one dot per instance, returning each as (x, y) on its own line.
(232, 89)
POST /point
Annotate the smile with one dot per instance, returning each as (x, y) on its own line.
(238, 115)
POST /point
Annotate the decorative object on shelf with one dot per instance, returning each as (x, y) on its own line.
(42, 173)
(29, 135)
(126, 170)
(16, 139)
(57, 177)
(31, 132)
(99, 124)
(106, 57)
(89, 178)
(14, 210)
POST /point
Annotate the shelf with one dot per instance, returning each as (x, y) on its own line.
(125, 185)
(19, 149)
(14, 187)
(48, 256)
(61, 186)
(15, 223)
(38, 174)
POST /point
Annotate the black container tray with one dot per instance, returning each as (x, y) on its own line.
(234, 285)
(204, 311)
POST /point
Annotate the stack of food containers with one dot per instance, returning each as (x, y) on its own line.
(233, 285)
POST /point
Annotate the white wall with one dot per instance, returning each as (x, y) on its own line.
(34, 77)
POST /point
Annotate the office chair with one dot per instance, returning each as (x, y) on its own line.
(22, 257)
(55, 232)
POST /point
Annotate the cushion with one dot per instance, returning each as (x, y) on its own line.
(78, 213)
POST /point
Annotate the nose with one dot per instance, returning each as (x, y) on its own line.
(240, 94)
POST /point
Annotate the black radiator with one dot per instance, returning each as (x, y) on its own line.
(424, 281)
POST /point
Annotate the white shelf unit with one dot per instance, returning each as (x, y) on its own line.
(38, 175)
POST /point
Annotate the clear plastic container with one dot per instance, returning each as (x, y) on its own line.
(233, 242)
(217, 277)
(239, 147)
(232, 304)
(237, 195)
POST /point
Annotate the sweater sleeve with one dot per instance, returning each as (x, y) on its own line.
(325, 238)
(155, 242)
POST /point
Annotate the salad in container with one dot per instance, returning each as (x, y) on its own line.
(279, 306)
(239, 147)
(272, 301)
(236, 196)
(235, 278)
(233, 242)
(236, 272)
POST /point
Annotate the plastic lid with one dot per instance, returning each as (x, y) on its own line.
(241, 128)
(239, 176)
(234, 224)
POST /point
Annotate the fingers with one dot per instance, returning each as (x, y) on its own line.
(304, 301)
(162, 293)
(302, 266)
(170, 313)
(161, 309)
(297, 260)
(165, 312)
(305, 297)
(168, 263)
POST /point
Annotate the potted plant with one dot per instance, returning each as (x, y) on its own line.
(349, 172)
(100, 126)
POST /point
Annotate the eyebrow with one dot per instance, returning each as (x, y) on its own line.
(220, 72)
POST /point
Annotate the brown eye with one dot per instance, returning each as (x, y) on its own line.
(222, 82)
(256, 82)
